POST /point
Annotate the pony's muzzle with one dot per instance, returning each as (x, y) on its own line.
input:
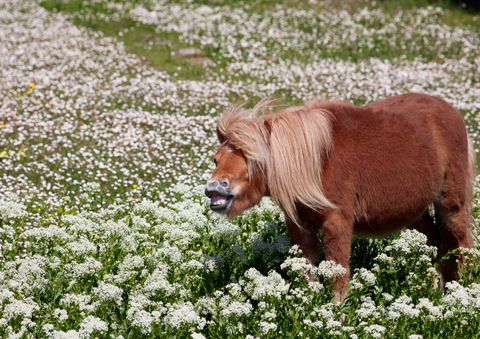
(221, 197)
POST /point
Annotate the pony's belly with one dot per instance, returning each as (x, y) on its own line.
(385, 207)
(388, 222)
(372, 229)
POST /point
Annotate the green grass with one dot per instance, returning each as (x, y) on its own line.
(136, 38)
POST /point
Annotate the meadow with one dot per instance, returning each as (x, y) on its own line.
(106, 140)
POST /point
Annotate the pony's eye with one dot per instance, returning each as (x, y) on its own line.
(215, 161)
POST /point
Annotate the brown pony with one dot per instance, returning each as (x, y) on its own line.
(345, 170)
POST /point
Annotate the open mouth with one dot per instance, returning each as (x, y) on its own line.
(218, 201)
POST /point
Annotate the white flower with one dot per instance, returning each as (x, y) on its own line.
(461, 299)
(427, 305)
(269, 315)
(266, 327)
(330, 269)
(182, 189)
(237, 308)
(382, 257)
(90, 325)
(141, 319)
(12, 210)
(183, 314)
(299, 267)
(77, 224)
(82, 301)
(315, 286)
(402, 306)
(147, 207)
(77, 270)
(259, 286)
(82, 247)
(295, 250)
(365, 276)
(236, 291)
(24, 308)
(108, 292)
(410, 239)
(192, 265)
(367, 308)
(157, 282)
(91, 186)
(387, 296)
(60, 314)
(29, 276)
(72, 334)
(206, 305)
(374, 330)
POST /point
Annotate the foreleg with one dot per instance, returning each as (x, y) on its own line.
(336, 236)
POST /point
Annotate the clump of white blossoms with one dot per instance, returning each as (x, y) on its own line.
(266, 327)
(330, 270)
(375, 331)
(11, 210)
(260, 287)
(237, 309)
(362, 278)
(180, 315)
(108, 292)
(296, 265)
(91, 187)
(411, 240)
(402, 306)
(367, 309)
(60, 314)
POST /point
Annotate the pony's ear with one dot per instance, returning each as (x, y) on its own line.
(221, 137)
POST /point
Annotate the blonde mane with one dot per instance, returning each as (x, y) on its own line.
(288, 147)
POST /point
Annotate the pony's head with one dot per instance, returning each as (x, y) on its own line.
(276, 154)
(238, 181)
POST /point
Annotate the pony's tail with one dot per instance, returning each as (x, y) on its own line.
(472, 161)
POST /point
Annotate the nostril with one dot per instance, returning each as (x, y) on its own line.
(225, 183)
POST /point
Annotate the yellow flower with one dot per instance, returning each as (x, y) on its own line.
(22, 153)
(2, 125)
(135, 186)
(32, 84)
(3, 154)
(39, 102)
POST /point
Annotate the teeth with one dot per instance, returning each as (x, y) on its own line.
(218, 202)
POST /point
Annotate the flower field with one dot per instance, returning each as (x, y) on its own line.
(104, 229)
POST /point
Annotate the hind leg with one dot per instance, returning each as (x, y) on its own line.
(426, 225)
(454, 232)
